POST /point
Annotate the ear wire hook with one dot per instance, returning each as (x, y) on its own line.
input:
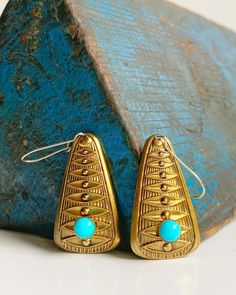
(189, 170)
(67, 148)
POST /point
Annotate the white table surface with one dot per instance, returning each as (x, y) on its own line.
(30, 265)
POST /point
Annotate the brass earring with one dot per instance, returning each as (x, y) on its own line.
(87, 219)
(164, 224)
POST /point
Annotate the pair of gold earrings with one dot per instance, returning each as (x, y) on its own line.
(164, 224)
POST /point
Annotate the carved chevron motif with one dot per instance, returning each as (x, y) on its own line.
(87, 192)
(158, 202)
(162, 195)
(153, 232)
(157, 215)
(93, 197)
(100, 226)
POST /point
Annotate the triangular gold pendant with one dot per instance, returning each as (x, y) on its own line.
(87, 193)
(162, 199)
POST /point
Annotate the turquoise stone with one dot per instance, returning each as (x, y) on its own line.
(170, 231)
(84, 227)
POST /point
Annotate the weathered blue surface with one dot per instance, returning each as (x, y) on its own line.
(50, 93)
(174, 73)
(161, 69)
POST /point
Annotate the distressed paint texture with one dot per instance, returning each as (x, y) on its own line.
(173, 72)
(122, 70)
(51, 92)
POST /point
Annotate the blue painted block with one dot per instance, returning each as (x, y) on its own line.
(122, 70)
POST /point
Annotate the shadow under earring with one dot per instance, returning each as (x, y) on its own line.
(164, 224)
(87, 219)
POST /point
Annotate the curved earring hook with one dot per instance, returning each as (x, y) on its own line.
(67, 148)
(189, 170)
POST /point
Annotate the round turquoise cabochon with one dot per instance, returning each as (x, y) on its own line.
(84, 227)
(170, 231)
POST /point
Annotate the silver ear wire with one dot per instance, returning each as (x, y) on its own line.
(67, 148)
(189, 170)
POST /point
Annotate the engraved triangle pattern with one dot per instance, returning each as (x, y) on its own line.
(162, 195)
(87, 192)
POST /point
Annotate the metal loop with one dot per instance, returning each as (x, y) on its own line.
(67, 148)
(188, 169)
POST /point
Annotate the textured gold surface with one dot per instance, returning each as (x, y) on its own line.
(87, 191)
(161, 194)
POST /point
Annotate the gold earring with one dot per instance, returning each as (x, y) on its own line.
(87, 218)
(164, 224)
